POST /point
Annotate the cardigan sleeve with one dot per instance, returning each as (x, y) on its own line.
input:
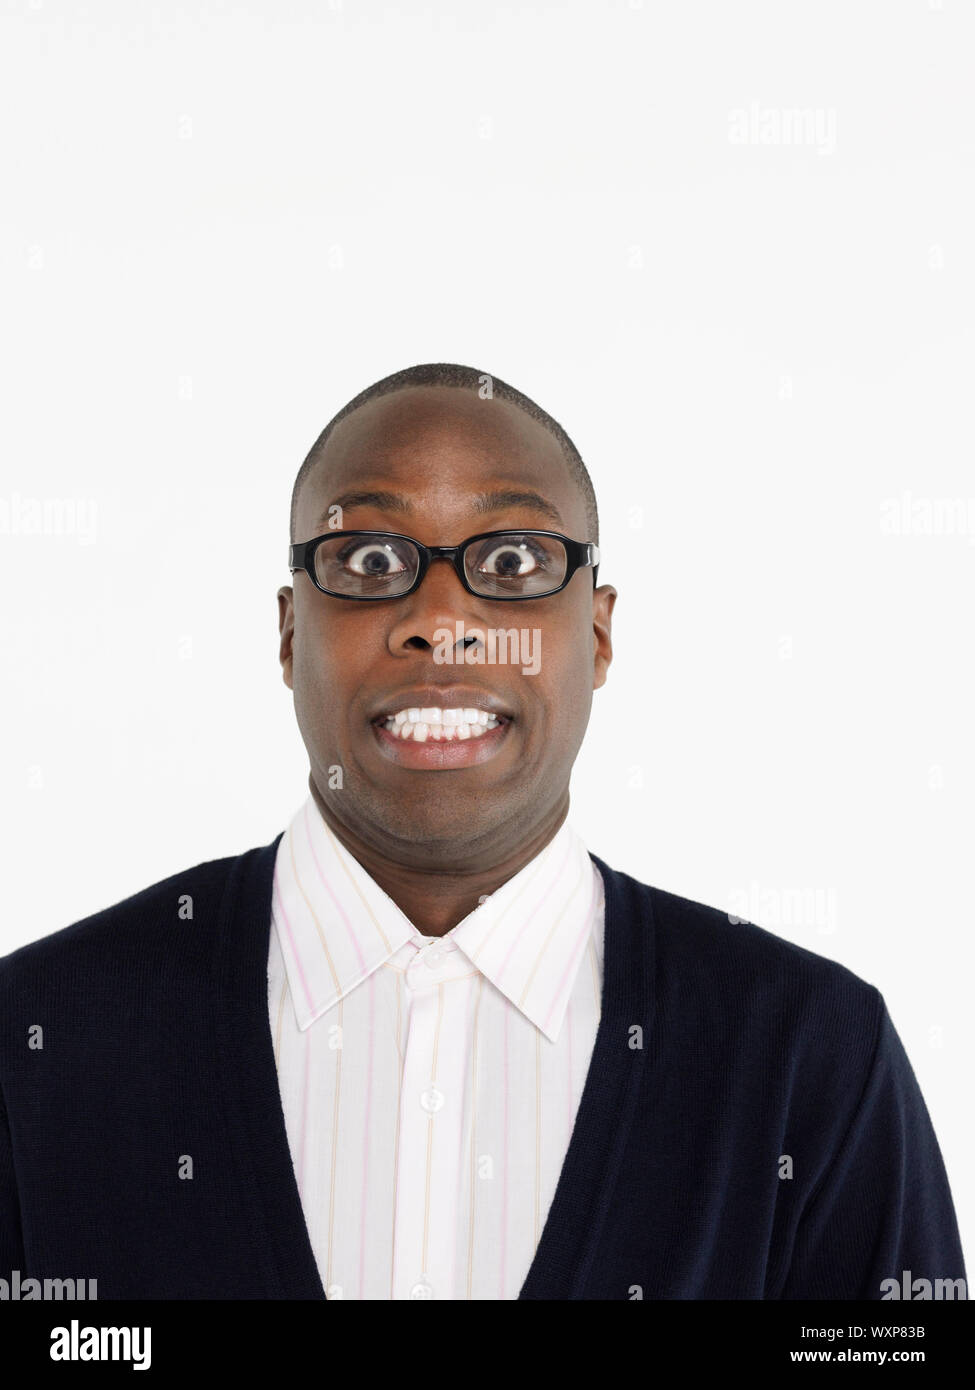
(883, 1209)
(11, 1239)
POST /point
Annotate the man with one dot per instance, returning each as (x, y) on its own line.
(424, 1045)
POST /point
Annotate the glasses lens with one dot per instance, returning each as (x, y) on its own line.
(517, 564)
(364, 566)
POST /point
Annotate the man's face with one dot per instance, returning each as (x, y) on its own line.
(437, 449)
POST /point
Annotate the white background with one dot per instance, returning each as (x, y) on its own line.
(221, 221)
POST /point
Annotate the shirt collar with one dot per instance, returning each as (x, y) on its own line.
(335, 925)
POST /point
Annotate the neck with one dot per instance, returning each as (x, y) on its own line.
(435, 900)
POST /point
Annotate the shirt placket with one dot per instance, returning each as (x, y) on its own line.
(433, 1123)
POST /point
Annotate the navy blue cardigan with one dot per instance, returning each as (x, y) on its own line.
(750, 1127)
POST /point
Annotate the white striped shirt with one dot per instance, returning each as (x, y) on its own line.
(429, 1086)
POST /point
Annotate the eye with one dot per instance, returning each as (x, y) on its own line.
(510, 559)
(372, 558)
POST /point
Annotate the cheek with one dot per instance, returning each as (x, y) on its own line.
(329, 661)
(561, 692)
(575, 691)
(566, 668)
(313, 676)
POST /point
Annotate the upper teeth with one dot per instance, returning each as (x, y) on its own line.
(421, 724)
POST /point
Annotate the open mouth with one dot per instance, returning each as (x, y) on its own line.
(435, 737)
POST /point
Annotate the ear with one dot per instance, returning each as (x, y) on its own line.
(603, 600)
(286, 627)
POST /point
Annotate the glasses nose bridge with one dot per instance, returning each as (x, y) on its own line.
(450, 553)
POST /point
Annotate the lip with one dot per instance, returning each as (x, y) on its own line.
(443, 755)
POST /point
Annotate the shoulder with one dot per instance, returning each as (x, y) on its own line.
(736, 945)
(130, 934)
(736, 977)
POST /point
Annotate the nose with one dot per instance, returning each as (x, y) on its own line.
(439, 603)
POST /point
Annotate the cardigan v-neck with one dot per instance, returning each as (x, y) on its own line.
(602, 1122)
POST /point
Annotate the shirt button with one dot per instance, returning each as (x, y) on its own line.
(432, 1100)
(433, 956)
(421, 1290)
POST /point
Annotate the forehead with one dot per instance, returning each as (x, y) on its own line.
(437, 446)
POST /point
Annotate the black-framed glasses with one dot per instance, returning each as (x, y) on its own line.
(503, 565)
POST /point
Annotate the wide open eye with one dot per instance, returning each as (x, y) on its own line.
(516, 564)
(508, 557)
(376, 559)
(507, 561)
(380, 566)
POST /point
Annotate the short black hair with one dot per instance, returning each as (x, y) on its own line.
(469, 378)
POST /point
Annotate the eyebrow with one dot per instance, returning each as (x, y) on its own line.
(501, 500)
